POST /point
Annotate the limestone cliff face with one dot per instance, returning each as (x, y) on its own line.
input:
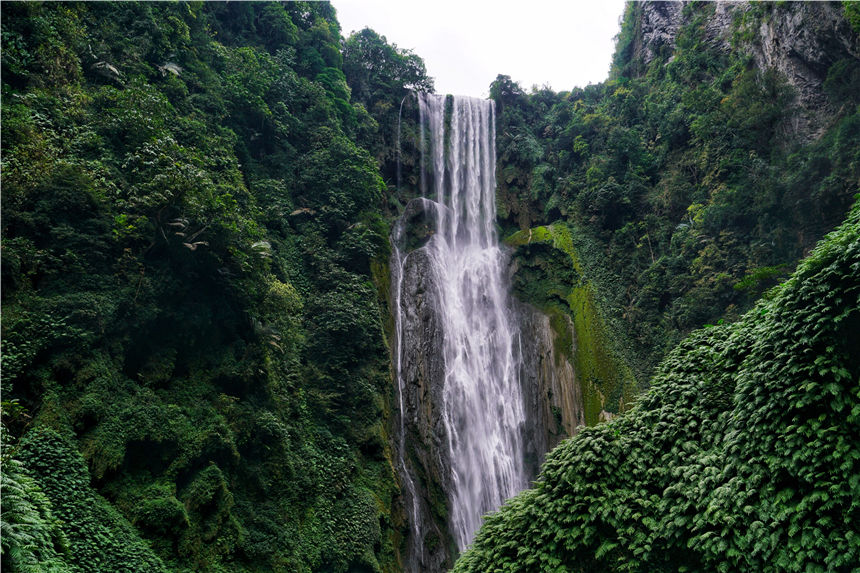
(552, 392)
(801, 40)
(657, 24)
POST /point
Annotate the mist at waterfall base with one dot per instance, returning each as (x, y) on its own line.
(482, 412)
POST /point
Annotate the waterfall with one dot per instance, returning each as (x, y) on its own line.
(476, 402)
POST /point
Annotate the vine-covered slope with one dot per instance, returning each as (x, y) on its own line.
(193, 265)
(743, 456)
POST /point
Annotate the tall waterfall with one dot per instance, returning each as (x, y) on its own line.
(480, 414)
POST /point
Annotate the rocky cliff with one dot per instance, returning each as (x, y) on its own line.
(422, 381)
(423, 374)
(801, 42)
(550, 385)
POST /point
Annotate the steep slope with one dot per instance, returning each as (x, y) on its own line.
(743, 456)
(722, 147)
(194, 244)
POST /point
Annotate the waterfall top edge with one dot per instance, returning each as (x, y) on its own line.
(455, 96)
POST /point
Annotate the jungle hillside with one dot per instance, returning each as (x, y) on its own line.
(198, 201)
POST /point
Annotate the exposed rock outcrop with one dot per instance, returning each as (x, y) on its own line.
(552, 393)
(802, 43)
(658, 27)
(799, 40)
(423, 374)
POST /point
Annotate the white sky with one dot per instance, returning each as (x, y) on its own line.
(466, 43)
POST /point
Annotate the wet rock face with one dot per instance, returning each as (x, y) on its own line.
(424, 378)
(801, 40)
(552, 393)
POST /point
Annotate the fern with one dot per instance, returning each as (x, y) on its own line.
(32, 540)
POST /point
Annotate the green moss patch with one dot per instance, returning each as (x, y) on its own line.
(550, 276)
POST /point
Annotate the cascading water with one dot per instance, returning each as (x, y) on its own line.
(480, 414)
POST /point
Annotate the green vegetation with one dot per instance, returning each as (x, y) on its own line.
(683, 178)
(196, 206)
(551, 277)
(379, 75)
(742, 457)
(194, 225)
(32, 540)
(99, 538)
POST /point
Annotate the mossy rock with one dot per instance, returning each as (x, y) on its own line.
(550, 276)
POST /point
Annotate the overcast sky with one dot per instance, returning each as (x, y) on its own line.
(466, 43)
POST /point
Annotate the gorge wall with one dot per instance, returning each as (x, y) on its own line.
(690, 184)
(198, 331)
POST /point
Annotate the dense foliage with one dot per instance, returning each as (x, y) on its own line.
(685, 176)
(31, 535)
(381, 76)
(196, 207)
(743, 456)
(193, 266)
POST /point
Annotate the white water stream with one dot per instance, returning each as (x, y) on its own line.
(483, 404)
